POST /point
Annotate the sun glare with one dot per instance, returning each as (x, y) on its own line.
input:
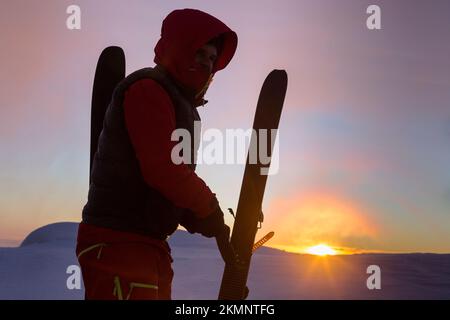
(321, 250)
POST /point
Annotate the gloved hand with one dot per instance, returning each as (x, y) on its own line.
(210, 226)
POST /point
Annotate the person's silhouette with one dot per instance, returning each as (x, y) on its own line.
(138, 196)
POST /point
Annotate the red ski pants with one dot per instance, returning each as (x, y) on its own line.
(122, 265)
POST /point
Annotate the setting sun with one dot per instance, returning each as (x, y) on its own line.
(321, 250)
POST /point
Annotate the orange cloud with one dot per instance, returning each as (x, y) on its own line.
(311, 218)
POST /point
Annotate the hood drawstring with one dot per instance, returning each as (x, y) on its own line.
(203, 90)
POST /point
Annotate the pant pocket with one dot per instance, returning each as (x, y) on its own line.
(136, 290)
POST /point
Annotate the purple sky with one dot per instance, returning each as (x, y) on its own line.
(364, 138)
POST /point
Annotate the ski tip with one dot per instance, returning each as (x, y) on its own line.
(279, 74)
(113, 50)
(112, 59)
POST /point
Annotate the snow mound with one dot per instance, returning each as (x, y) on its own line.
(66, 233)
(53, 233)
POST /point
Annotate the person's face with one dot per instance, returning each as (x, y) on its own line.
(205, 57)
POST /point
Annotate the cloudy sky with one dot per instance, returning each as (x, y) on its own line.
(364, 138)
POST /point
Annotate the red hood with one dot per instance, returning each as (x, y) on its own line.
(183, 32)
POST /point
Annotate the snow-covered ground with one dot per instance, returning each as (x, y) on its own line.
(37, 270)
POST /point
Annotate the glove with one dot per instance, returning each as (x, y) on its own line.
(211, 226)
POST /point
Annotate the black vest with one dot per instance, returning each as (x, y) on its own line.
(118, 197)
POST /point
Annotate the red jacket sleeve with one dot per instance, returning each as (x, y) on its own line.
(150, 120)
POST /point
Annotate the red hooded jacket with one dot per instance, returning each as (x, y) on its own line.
(183, 32)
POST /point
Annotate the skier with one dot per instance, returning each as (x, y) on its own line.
(138, 196)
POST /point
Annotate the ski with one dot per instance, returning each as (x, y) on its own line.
(249, 213)
(109, 72)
